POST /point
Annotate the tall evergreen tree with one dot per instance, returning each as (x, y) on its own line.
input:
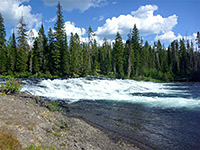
(198, 40)
(183, 58)
(23, 48)
(2, 32)
(73, 55)
(60, 49)
(65, 59)
(145, 54)
(2, 45)
(85, 60)
(175, 61)
(102, 57)
(36, 66)
(118, 51)
(78, 53)
(44, 51)
(136, 50)
(94, 57)
(91, 35)
(130, 55)
(191, 62)
(51, 50)
(11, 54)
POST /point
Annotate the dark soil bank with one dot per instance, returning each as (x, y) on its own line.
(26, 118)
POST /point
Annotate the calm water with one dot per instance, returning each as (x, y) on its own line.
(151, 115)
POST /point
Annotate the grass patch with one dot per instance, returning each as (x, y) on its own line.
(9, 142)
(55, 106)
(40, 147)
(63, 144)
(57, 134)
(12, 86)
(3, 94)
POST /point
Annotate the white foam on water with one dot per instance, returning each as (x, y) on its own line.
(76, 89)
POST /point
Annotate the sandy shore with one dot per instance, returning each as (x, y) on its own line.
(27, 118)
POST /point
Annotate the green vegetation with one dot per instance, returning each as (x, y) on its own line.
(12, 86)
(3, 94)
(63, 144)
(57, 134)
(40, 147)
(9, 142)
(55, 106)
(52, 56)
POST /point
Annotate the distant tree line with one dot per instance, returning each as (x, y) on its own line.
(51, 55)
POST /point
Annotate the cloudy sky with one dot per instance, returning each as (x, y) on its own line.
(165, 20)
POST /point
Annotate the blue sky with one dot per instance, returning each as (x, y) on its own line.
(165, 20)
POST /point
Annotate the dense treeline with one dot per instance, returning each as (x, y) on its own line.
(51, 55)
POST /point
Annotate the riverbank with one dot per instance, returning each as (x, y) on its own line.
(25, 118)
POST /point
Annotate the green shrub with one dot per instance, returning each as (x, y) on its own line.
(12, 86)
(55, 106)
(3, 94)
(22, 75)
(57, 134)
(40, 147)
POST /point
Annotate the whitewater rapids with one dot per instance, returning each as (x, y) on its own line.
(165, 95)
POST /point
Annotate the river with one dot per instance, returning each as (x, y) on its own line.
(158, 116)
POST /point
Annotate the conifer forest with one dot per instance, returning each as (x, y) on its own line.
(52, 55)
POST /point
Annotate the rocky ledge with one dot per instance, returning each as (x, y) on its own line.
(28, 119)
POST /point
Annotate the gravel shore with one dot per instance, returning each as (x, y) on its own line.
(27, 118)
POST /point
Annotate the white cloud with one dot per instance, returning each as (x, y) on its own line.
(31, 34)
(71, 28)
(12, 10)
(146, 22)
(101, 18)
(144, 11)
(166, 37)
(82, 5)
(51, 19)
(170, 36)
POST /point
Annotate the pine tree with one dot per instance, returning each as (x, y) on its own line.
(2, 32)
(14, 49)
(11, 54)
(130, 55)
(94, 57)
(175, 62)
(36, 57)
(102, 57)
(145, 57)
(108, 59)
(44, 51)
(198, 40)
(60, 49)
(79, 56)
(3, 58)
(73, 54)
(190, 57)
(136, 50)
(118, 51)
(183, 58)
(85, 60)
(160, 56)
(23, 48)
(91, 35)
(65, 59)
(51, 50)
